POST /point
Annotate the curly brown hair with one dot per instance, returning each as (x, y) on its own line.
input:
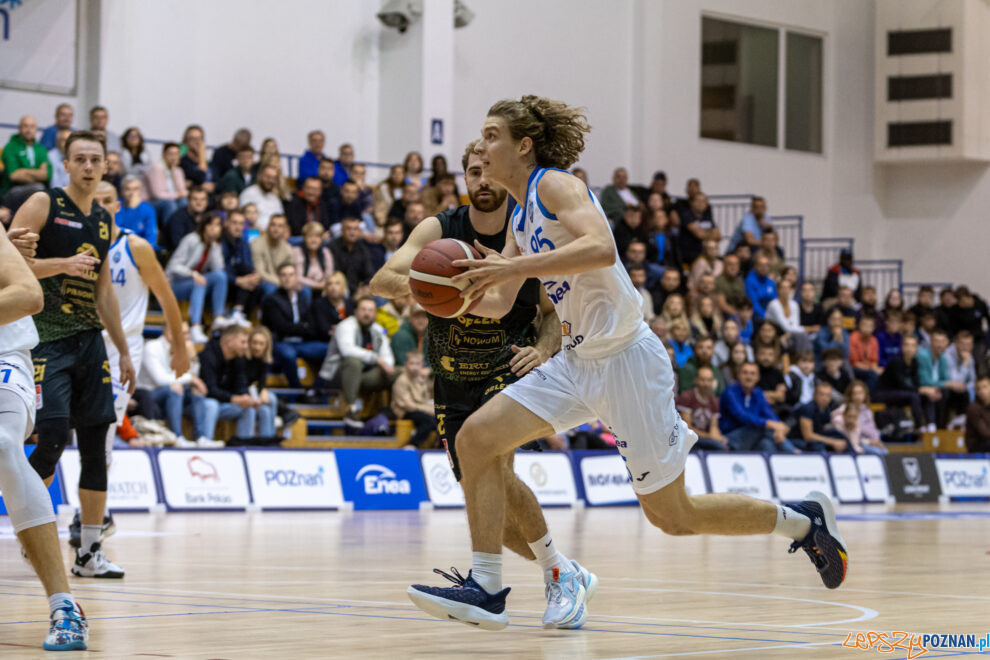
(556, 129)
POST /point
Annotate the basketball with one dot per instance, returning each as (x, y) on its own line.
(429, 277)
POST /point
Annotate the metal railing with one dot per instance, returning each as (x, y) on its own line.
(727, 212)
(790, 232)
(818, 255)
(883, 274)
(909, 290)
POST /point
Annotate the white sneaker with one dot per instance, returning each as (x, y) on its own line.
(221, 322)
(182, 443)
(958, 422)
(239, 318)
(206, 443)
(197, 336)
(566, 597)
(95, 564)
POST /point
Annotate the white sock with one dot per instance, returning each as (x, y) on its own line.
(547, 555)
(89, 535)
(791, 524)
(486, 569)
(55, 601)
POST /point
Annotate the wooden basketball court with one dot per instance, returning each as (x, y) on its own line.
(318, 585)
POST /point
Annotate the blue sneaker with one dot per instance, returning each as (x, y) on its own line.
(466, 602)
(69, 630)
(823, 543)
(590, 582)
(567, 596)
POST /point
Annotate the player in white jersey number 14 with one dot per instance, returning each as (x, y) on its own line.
(613, 368)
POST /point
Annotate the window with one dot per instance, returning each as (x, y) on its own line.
(744, 94)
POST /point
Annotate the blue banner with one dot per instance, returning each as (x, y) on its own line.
(55, 490)
(381, 478)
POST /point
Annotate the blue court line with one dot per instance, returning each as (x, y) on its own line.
(313, 606)
(909, 515)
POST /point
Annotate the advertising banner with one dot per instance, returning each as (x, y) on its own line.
(873, 477)
(549, 476)
(296, 479)
(912, 477)
(796, 474)
(848, 486)
(381, 478)
(964, 477)
(130, 482)
(746, 474)
(203, 479)
(441, 485)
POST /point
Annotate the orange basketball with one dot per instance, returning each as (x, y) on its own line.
(429, 277)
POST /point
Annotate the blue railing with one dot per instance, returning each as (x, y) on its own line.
(727, 212)
(883, 274)
(818, 255)
(909, 290)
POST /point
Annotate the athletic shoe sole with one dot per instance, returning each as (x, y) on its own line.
(449, 610)
(73, 646)
(828, 511)
(110, 575)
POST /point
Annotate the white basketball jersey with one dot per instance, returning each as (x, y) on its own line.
(16, 371)
(132, 292)
(600, 310)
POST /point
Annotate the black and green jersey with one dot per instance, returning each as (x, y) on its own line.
(472, 348)
(70, 302)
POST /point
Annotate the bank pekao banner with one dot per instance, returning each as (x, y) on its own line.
(196, 479)
(130, 482)
(296, 479)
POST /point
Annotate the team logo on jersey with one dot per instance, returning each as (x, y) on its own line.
(565, 328)
(447, 363)
(116, 257)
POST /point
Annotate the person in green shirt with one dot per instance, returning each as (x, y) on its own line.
(704, 350)
(410, 335)
(25, 160)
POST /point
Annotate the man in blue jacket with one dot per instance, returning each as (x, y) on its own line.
(760, 287)
(747, 420)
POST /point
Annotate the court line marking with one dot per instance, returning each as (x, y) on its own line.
(713, 651)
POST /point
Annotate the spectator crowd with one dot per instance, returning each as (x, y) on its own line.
(275, 271)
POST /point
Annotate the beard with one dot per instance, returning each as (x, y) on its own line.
(489, 203)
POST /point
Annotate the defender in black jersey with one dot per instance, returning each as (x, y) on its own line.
(71, 371)
(474, 358)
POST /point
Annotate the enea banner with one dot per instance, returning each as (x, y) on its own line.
(381, 478)
(296, 479)
(130, 482)
(964, 477)
(203, 479)
(745, 474)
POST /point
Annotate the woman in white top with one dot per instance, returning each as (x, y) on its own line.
(196, 269)
(786, 315)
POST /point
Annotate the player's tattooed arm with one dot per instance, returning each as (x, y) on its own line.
(392, 280)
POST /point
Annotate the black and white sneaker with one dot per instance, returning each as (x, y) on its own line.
(823, 543)
(94, 564)
(466, 602)
(75, 529)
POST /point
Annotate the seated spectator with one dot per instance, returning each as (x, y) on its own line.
(785, 313)
(412, 399)
(441, 196)
(271, 251)
(114, 174)
(691, 188)
(704, 352)
(729, 369)
(56, 162)
(772, 381)
(674, 310)
(659, 187)
(707, 263)
(388, 192)
(926, 326)
(64, 114)
(25, 160)
(259, 359)
(392, 239)
(864, 353)
(391, 315)
(331, 307)
(351, 255)
(196, 269)
(135, 213)
(631, 227)
(855, 420)
(313, 259)
(962, 366)
(290, 318)
(325, 175)
(264, 194)
(800, 379)
(730, 337)
(618, 197)
(345, 205)
(745, 319)
(359, 357)
(229, 203)
(770, 249)
(704, 287)
(345, 162)
(697, 226)
(166, 183)
(900, 385)
(698, 407)
(660, 240)
(225, 157)
(410, 194)
(833, 335)
(926, 302)
(760, 287)
(750, 230)
(185, 220)
(133, 156)
(815, 430)
(746, 419)
(307, 207)
(767, 334)
(239, 177)
(309, 163)
(223, 368)
(890, 339)
(366, 193)
(413, 166)
(811, 312)
(99, 117)
(170, 394)
(868, 304)
(242, 280)
(730, 289)
(978, 419)
(790, 274)
(193, 163)
(842, 274)
(636, 255)
(680, 333)
(670, 283)
(835, 372)
(945, 312)
(970, 314)
(415, 214)
(706, 320)
(411, 335)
